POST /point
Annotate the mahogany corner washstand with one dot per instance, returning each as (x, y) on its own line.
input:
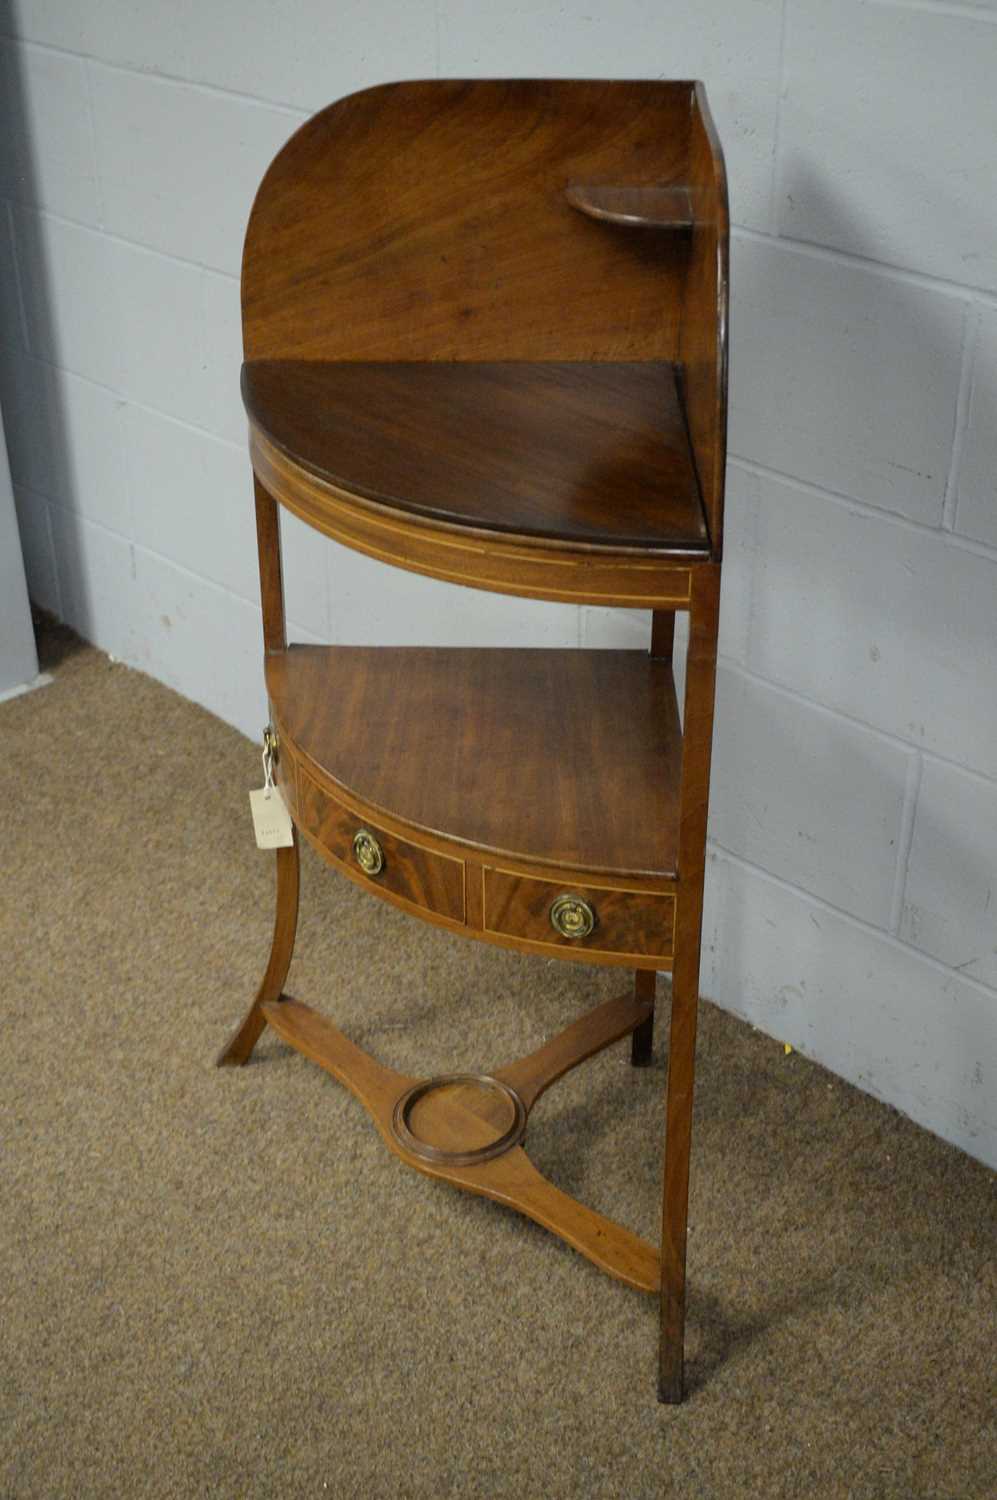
(485, 340)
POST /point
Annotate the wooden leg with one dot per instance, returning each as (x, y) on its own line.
(642, 1038)
(662, 633)
(678, 1139)
(697, 737)
(239, 1049)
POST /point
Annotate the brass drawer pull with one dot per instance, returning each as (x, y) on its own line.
(572, 917)
(367, 852)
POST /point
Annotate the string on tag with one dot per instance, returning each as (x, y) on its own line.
(271, 819)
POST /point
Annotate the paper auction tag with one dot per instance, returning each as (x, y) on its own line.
(271, 819)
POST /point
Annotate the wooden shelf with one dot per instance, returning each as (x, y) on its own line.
(568, 758)
(637, 207)
(594, 454)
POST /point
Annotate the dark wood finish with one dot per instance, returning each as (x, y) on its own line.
(485, 330)
(700, 678)
(579, 573)
(454, 1116)
(485, 1116)
(627, 922)
(239, 1049)
(568, 757)
(662, 634)
(650, 206)
(429, 871)
(286, 777)
(642, 1041)
(594, 453)
(419, 875)
(547, 945)
(703, 338)
(428, 221)
(271, 570)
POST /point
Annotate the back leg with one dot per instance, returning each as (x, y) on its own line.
(642, 1037)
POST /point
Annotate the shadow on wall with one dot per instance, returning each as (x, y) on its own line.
(869, 412)
(855, 369)
(48, 443)
(852, 387)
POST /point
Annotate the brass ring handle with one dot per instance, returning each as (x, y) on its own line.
(572, 917)
(367, 852)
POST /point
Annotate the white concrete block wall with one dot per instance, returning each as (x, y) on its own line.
(159, 145)
(976, 507)
(907, 1029)
(904, 174)
(845, 376)
(801, 790)
(951, 877)
(851, 904)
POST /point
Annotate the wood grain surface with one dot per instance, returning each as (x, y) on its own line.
(703, 340)
(629, 922)
(431, 880)
(568, 757)
(452, 1118)
(534, 567)
(578, 452)
(485, 330)
(700, 681)
(428, 220)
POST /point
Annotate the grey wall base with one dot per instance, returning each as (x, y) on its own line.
(18, 657)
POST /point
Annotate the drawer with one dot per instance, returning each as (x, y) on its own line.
(637, 922)
(430, 880)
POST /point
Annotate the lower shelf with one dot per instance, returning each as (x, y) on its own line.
(450, 1119)
(526, 797)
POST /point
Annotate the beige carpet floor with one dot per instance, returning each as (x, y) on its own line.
(219, 1283)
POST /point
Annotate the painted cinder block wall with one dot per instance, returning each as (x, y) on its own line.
(852, 908)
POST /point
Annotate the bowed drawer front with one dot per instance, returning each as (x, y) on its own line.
(379, 859)
(585, 918)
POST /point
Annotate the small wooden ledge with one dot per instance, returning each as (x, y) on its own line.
(638, 207)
